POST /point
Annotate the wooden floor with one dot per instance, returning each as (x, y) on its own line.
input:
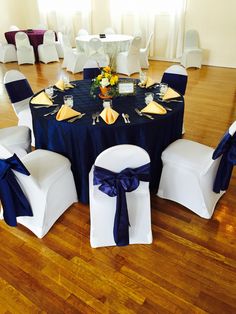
(189, 268)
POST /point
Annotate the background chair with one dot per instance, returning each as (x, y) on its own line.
(67, 50)
(192, 55)
(47, 51)
(20, 92)
(24, 51)
(96, 52)
(189, 173)
(103, 207)
(7, 53)
(50, 188)
(17, 139)
(82, 32)
(13, 28)
(91, 69)
(128, 62)
(144, 52)
(176, 77)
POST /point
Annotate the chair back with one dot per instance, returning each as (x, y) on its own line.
(191, 39)
(18, 89)
(22, 40)
(109, 31)
(95, 45)
(176, 77)
(13, 28)
(149, 40)
(4, 152)
(91, 69)
(135, 46)
(65, 41)
(82, 32)
(49, 37)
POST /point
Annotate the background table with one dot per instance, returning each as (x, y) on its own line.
(35, 38)
(82, 142)
(112, 44)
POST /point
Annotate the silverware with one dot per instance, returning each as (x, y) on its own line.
(52, 112)
(127, 117)
(76, 118)
(143, 114)
(94, 117)
(167, 101)
(44, 106)
(167, 108)
(124, 117)
(97, 116)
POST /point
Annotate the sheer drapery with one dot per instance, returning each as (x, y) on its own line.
(66, 16)
(164, 18)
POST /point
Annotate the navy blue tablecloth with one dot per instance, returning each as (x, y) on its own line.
(82, 142)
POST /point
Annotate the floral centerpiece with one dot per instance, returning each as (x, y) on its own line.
(107, 82)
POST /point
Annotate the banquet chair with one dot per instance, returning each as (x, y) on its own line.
(176, 77)
(144, 52)
(68, 51)
(24, 51)
(109, 31)
(82, 32)
(17, 139)
(20, 92)
(49, 188)
(196, 175)
(106, 212)
(91, 69)
(59, 46)
(47, 50)
(192, 54)
(96, 52)
(13, 28)
(7, 53)
(128, 62)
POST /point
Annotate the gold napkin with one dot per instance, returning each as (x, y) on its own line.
(62, 86)
(147, 83)
(109, 115)
(170, 94)
(154, 107)
(66, 112)
(41, 99)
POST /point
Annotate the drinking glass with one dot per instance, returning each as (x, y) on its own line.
(163, 89)
(65, 79)
(68, 100)
(148, 98)
(49, 91)
(107, 103)
(142, 77)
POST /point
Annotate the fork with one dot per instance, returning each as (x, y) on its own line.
(124, 117)
(97, 116)
(143, 114)
(127, 117)
(52, 112)
(94, 117)
(76, 118)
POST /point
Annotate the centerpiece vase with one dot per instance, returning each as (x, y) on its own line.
(104, 92)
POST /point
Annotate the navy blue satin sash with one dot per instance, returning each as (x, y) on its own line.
(90, 73)
(18, 90)
(14, 202)
(117, 184)
(226, 148)
(175, 81)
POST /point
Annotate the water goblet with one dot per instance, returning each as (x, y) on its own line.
(68, 100)
(49, 91)
(142, 77)
(107, 103)
(163, 89)
(148, 98)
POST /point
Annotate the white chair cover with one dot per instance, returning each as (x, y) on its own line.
(59, 45)
(96, 52)
(192, 55)
(129, 62)
(144, 53)
(50, 188)
(47, 51)
(189, 173)
(24, 51)
(7, 53)
(103, 207)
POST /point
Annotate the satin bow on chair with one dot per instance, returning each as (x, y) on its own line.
(14, 202)
(226, 148)
(117, 184)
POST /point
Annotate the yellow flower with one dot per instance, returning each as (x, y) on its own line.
(107, 69)
(112, 81)
(99, 77)
(106, 75)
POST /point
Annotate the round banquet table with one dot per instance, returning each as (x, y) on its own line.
(82, 142)
(112, 44)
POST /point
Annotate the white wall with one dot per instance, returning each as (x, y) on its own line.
(215, 21)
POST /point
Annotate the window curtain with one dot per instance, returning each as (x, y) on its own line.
(165, 18)
(66, 16)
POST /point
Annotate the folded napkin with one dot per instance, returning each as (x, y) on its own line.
(62, 85)
(41, 99)
(147, 83)
(66, 112)
(109, 115)
(170, 94)
(154, 107)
